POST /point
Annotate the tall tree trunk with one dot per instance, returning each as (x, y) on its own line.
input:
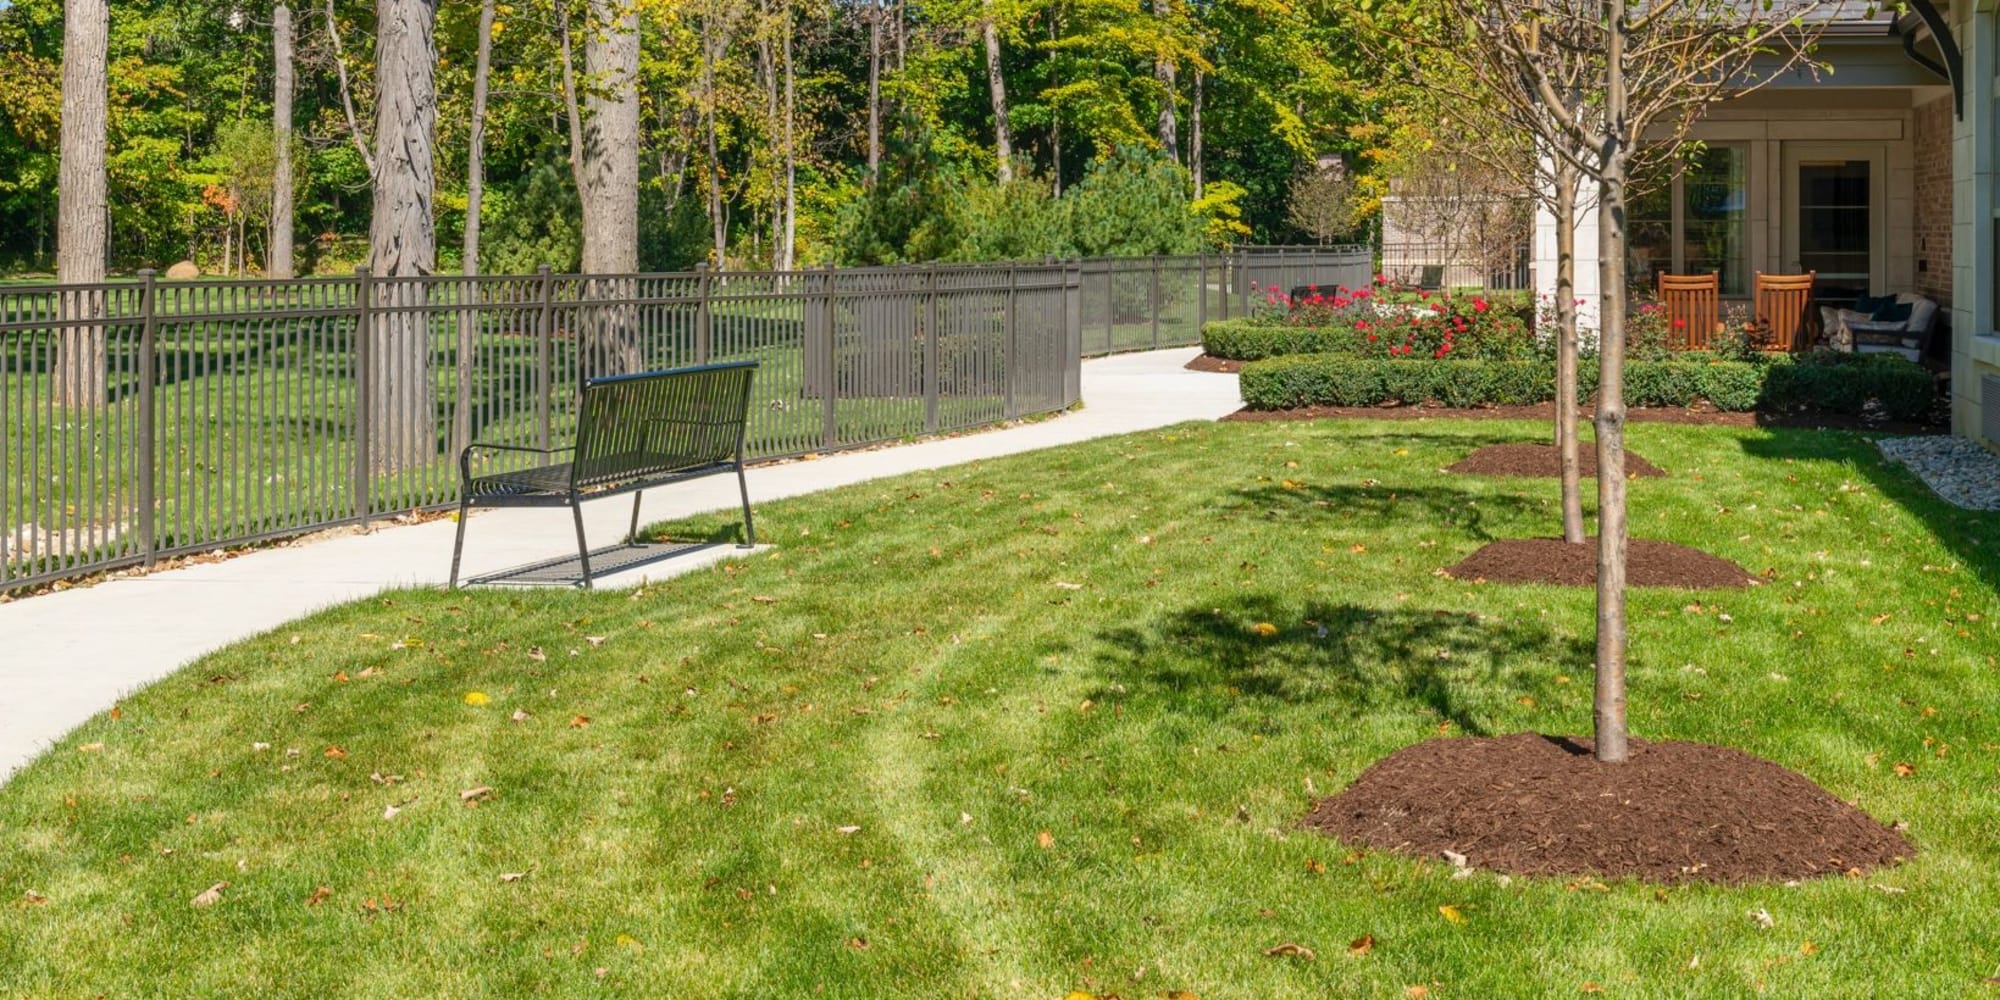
(1164, 72)
(1003, 139)
(1609, 699)
(767, 67)
(1055, 112)
(278, 259)
(402, 234)
(82, 212)
(718, 223)
(475, 194)
(875, 15)
(788, 249)
(1566, 352)
(1194, 137)
(609, 183)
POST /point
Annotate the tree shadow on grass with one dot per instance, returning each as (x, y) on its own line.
(1973, 537)
(1348, 658)
(1445, 507)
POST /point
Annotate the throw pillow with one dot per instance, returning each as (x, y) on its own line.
(1872, 304)
(1894, 312)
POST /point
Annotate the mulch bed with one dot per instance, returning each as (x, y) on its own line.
(1702, 415)
(1648, 563)
(1541, 460)
(1529, 804)
(1210, 363)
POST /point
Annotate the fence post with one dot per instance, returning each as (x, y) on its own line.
(704, 282)
(1153, 299)
(1073, 332)
(1110, 303)
(1011, 359)
(1224, 280)
(819, 325)
(544, 356)
(931, 349)
(148, 343)
(364, 361)
(1200, 294)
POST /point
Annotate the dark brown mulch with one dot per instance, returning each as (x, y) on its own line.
(1210, 363)
(1541, 460)
(1530, 804)
(1648, 563)
(1702, 415)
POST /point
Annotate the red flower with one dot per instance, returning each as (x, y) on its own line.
(1479, 305)
(1371, 338)
(1680, 324)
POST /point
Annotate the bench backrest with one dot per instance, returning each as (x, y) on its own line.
(660, 423)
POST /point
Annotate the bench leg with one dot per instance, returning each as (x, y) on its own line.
(749, 530)
(582, 548)
(632, 533)
(457, 547)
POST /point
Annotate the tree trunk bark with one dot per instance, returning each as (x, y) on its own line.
(82, 212)
(1003, 139)
(767, 67)
(609, 184)
(278, 259)
(1194, 137)
(1609, 699)
(875, 14)
(718, 223)
(788, 249)
(1164, 71)
(403, 235)
(1567, 443)
(475, 194)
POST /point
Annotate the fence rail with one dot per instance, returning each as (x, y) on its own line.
(1419, 264)
(147, 419)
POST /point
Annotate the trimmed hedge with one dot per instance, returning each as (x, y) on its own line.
(1846, 384)
(1246, 340)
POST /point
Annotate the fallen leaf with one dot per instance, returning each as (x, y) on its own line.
(764, 599)
(512, 876)
(209, 896)
(1904, 769)
(535, 653)
(594, 640)
(33, 898)
(580, 722)
(520, 715)
(90, 748)
(476, 794)
(1525, 701)
(1450, 912)
(628, 942)
(1590, 987)
(1416, 992)
(259, 747)
(1066, 585)
(1265, 629)
(1457, 860)
(476, 698)
(848, 829)
(117, 712)
(370, 672)
(340, 677)
(1045, 840)
(1290, 950)
(860, 944)
(389, 812)
(319, 895)
(336, 753)
(1808, 948)
(1762, 917)
(1361, 946)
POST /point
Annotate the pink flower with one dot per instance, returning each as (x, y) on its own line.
(1371, 338)
(1479, 305)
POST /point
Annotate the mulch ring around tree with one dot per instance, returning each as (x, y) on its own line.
(1529, 804)
(1541, 460)
(1648, 563)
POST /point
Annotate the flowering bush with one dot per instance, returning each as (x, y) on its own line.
(1437, 327)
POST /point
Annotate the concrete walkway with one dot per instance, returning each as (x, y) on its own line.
(69, 655)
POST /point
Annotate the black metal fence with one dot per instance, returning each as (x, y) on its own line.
(143, 420)
(1507, 269)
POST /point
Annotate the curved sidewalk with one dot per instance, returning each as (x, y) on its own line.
(68, 655)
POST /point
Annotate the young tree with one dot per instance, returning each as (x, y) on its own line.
(82, 210)
(1321, 204)
(1651, 70)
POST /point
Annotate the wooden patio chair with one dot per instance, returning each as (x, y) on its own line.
(1694, 307)
(1783, 304)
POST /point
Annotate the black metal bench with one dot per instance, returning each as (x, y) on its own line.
(633, 432)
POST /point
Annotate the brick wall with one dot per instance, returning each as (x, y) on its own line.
(1931, 139)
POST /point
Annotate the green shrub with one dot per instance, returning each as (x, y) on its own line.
(1247, 340)
(1339, 380)
(1849, 383)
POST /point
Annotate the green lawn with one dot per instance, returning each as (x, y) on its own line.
(1007, 730)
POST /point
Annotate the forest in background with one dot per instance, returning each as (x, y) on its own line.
(769, 132)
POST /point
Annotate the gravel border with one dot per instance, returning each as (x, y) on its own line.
(1963, 473)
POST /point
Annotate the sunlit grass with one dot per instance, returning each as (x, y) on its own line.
(828, 771)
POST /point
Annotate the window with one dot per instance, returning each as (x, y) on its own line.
(1692, 221)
